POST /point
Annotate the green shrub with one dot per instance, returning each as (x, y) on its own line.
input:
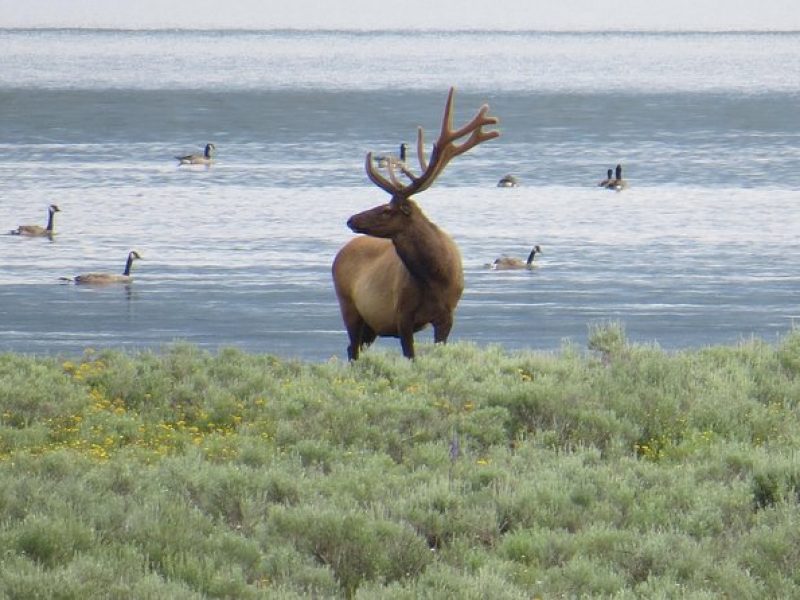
(51, 541)
(355, 547)
(618, 470)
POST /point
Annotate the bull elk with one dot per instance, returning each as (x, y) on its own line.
(405, 272)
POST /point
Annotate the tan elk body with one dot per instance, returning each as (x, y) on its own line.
(406, 272)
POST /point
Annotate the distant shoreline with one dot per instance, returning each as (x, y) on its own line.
(397, 31)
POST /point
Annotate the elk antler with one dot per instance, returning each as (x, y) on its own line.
(444, 150)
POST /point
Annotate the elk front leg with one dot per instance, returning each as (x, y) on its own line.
(355, 345)
(441, 329)
(355, 326)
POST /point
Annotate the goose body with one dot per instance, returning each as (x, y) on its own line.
(206, 158)
(507, 263)
(383, 160)
(508, 181)
(106, 278)
(38, 230)
(618, 183)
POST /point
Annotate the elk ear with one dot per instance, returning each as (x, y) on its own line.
(405, 207)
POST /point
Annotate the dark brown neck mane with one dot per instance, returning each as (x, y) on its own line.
(424, 250)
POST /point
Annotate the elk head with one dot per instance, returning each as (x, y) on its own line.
(407, 272)
(386, 220)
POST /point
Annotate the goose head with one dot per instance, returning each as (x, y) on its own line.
(132, 255)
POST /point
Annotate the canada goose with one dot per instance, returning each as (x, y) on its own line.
(383, 160)
(508, 181)
(198, 159)
(105, 278)
(618, 183)
(38, 230)
(609, 178)
(505, 263)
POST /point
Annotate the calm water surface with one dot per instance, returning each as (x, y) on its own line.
(703, 247)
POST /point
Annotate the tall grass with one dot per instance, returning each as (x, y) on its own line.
(617, 471)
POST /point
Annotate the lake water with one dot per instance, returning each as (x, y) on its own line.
(703, 247)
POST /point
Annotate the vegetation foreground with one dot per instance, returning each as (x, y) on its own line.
(618, 471)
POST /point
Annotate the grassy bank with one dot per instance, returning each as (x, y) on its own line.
(614, 470)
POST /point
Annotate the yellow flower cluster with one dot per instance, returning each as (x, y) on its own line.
(106, 425)
(449, 408)
(84, 370)
(525, 374)
(665, 446)
(651, 450)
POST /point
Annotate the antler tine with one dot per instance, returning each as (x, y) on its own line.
(478, 121)
(478, 134)
(406, 171)
(392, 175)
(447, 119)
(426, 179)
(379, 179)
(450, 149)
(423, 162)
(444, 149)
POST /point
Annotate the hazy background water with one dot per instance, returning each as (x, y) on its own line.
(703, 248)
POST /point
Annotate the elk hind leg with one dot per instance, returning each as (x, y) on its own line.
(407, 344)
(405, 331)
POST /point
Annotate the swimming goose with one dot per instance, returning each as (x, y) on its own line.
(38, 230)
(198, 159)
(383, 160)
(505, 263)
(609, 178)
(105, 278)
(618, 183)
(508, 181)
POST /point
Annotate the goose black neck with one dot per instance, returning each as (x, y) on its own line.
(128, 265)
(531, 255)
(50, 220)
